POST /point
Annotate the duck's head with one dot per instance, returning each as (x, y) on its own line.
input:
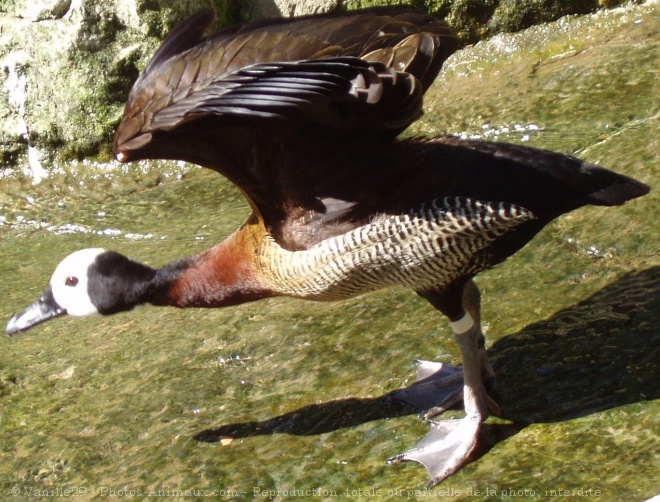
(87, 282)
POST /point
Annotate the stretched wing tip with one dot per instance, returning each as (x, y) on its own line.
(185, 35)
(125, 149)
(122, 156)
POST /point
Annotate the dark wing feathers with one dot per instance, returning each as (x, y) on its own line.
(188, 68)
(587, 183)
(187, 63)
(307, 90)
(274, 105)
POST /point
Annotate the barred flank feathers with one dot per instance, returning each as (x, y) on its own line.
(426, 248)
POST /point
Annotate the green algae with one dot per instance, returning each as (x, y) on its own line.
(134, 402)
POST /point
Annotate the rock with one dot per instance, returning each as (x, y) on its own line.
(67, 67)
(260, 9)
(39, 10)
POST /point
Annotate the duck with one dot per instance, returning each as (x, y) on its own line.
(302, 115)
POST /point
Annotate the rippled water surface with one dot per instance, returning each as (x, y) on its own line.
(290, 390)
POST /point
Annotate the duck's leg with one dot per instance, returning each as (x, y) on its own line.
(449, 444)
(439, 386)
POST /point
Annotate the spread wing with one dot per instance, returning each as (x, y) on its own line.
(274, 105)
(338, 93)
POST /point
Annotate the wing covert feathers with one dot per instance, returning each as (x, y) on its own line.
(304, 70)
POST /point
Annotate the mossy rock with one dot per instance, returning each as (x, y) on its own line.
(67, 73)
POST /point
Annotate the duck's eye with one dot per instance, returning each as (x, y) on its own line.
(71, 281)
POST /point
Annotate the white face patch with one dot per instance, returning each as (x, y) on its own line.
(69, 282)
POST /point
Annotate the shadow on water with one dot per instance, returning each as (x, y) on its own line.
(599, 354)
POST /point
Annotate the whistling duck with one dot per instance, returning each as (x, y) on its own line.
(301, 115)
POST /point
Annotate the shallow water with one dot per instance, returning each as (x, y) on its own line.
(117, 406)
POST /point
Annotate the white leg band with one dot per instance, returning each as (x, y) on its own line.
(463, 324)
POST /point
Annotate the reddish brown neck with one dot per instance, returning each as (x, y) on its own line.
(218, 277)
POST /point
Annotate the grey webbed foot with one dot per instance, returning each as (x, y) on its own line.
(438, 387)
(445, 449)
(449, 444)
